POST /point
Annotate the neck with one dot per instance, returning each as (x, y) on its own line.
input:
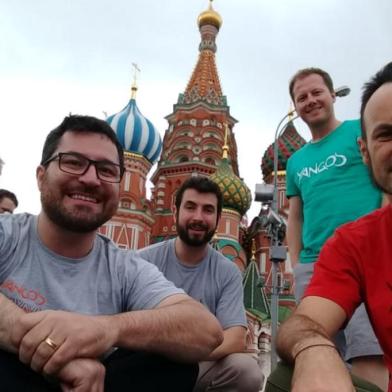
(319, 131)
(62, 241)
(189, 255)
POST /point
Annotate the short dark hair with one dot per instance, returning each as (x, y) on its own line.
(202, 185)
(302, 73)
(77, 123)
(384, 75)
(10, 195)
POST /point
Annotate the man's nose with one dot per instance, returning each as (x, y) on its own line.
(198, 214)
(90, 176)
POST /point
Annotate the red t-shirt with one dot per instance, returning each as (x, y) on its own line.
(355, 265)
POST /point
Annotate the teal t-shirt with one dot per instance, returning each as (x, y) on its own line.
(333, 183)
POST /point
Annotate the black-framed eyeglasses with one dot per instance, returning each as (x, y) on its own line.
(78, 164)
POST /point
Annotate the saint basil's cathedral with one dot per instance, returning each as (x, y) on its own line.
(200, 140)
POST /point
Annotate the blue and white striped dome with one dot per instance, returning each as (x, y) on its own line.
(135, 132)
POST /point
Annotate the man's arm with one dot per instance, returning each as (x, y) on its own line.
(9, 314)
(234, 341)
(178, 327)
(81, 374)
(294, 229)
(306, 339)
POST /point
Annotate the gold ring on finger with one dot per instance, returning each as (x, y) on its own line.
(51, 343)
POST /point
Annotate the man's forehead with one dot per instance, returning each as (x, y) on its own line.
(192, 195)
(378, 110)
(86, 143)
(308, 79)
(7, 202)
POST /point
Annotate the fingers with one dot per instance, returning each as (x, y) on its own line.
(53, 338)
(43, 354)
(82, 375)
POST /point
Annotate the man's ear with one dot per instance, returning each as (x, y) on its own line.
(174, 210)
(39, 175)
(364, 151)
(333, 97)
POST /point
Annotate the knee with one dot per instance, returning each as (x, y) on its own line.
(249, 376)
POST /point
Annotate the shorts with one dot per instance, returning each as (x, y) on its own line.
(358, 339)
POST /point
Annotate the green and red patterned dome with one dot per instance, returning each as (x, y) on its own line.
(288, 143)
(236, 195)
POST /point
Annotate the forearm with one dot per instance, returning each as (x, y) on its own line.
(9, 312)
(294, 241)
(225, 349)
(294, 229)
(298, 332)
(184, 330)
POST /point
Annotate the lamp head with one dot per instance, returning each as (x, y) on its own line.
(342, 91)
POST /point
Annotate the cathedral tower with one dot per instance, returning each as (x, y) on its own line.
(193, 142)
(131, 226)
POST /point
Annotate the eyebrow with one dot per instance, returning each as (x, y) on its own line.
(104, 160)
(382, 128)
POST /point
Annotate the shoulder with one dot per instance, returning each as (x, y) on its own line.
(11, 224)
(299, 153)
(351, 127)
(124, 262)
(154, 248)
(224, 266)
(360, 231)
(298, 157)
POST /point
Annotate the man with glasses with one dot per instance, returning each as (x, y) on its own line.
(77, 305)
(8, 202)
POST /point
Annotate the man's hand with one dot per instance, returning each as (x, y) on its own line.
(320, 369)
(70, 336)
(82, 375)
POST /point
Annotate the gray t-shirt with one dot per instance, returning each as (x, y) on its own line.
(108, 280)
(215, 281)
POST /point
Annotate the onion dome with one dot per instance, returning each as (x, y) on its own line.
(210, 17)
(236, 195)
(288, 143)
(135, 132)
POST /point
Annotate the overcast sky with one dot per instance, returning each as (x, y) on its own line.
(75, 56)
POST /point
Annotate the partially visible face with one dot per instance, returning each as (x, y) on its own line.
(79, 203)
(196, 219)
(313, 101)
(377, 149)
(7, 206)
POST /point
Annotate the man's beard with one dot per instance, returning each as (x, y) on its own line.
(386, 188)
(78, 220)
(182, 232)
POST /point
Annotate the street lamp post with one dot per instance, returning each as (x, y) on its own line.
(278, 251)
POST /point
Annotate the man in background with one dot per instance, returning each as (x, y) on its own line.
(354, 266)
(209, 277)
(8, 202)
(327, 186)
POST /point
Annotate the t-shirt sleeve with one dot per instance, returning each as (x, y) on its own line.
(291, 187)
(145, 286)
(230, 310)
(337, 274)
(9, 237)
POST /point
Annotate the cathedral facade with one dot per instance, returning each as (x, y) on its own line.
(200, 140)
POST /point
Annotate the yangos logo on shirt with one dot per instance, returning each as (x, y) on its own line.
(334, 160)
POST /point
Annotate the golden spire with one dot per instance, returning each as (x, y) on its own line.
(136, 69)
(210, 16)
(225, 145)
(253, 258)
